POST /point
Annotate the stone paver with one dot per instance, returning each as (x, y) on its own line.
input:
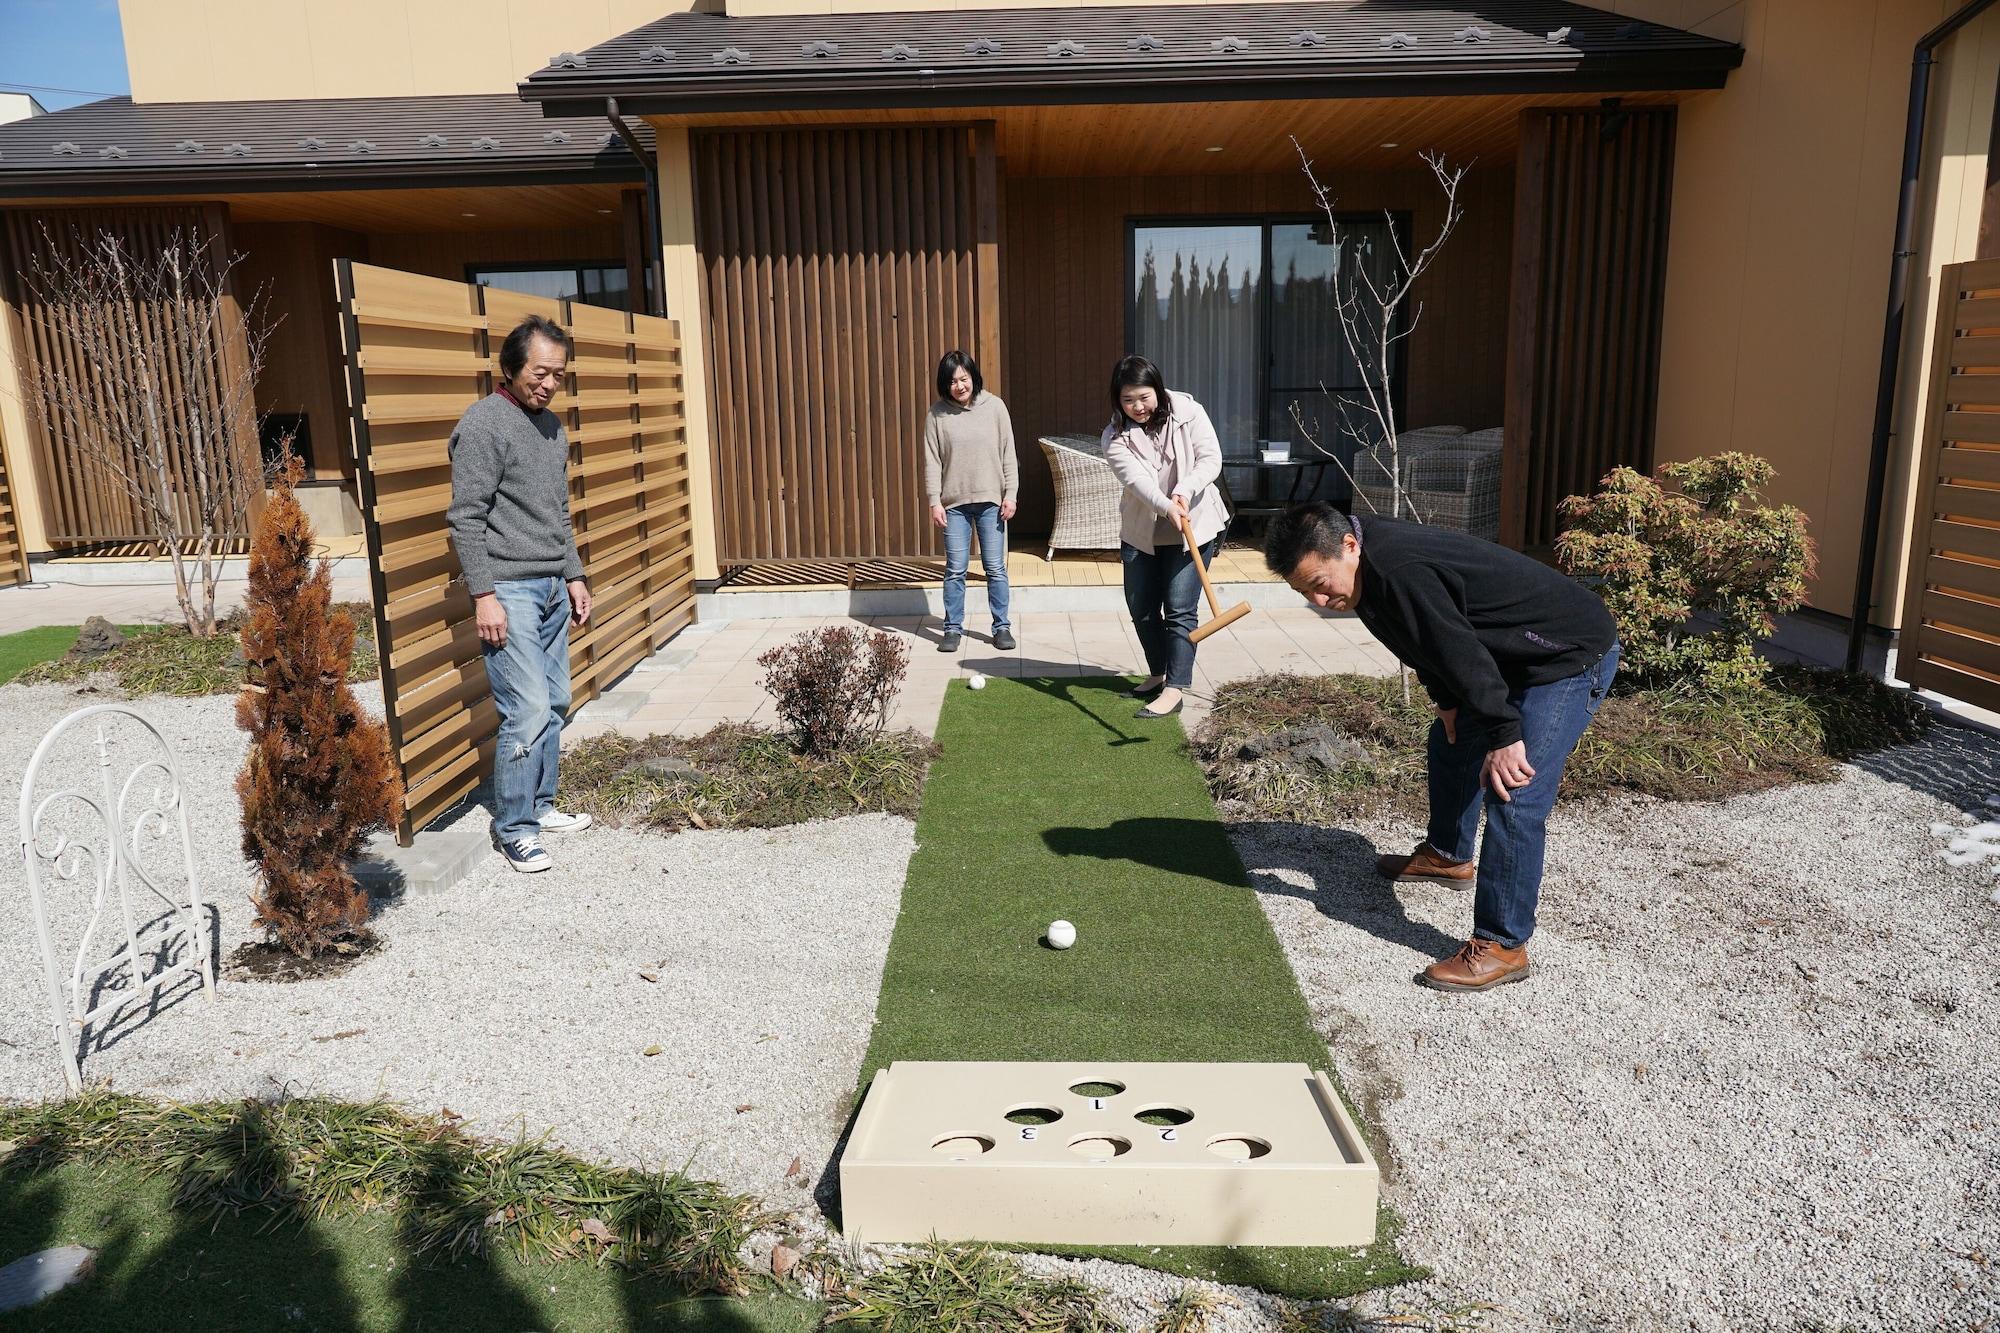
(710, 673)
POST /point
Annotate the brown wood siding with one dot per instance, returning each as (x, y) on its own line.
(291, 265)
(420, 350)
(1066, 299)
(1589, 281)
(86, 502)
(839, 266)
(1951, 632)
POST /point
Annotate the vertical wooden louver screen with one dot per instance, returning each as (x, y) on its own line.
(1951, 616)
(86, 501)
(839, 265)
(1590, 258)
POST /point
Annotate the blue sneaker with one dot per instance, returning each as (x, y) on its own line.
(527, 855)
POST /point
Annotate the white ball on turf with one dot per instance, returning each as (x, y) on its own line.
(1061, 934)
(978, 682)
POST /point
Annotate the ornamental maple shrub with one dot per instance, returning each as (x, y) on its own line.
(1694, 566)
(833, 687)
(319, 778)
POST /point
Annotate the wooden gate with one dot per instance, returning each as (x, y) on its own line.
(1589, 288)
(419, 352)
(840, 265)
(1951, 616)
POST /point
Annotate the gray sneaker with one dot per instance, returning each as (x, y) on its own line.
(1003, 639)
(949, 643)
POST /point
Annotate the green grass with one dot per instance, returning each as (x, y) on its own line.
(1050, 800)
(166, 1268)
(32, 647)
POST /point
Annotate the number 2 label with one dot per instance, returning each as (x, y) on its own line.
(1169, 1135)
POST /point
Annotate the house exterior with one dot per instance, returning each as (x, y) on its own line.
(1679, 218)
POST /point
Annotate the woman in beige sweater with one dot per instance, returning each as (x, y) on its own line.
(1165, 453)
(970, 479)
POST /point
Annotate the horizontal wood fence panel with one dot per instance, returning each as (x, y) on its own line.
(420, 351)
(1951, 633)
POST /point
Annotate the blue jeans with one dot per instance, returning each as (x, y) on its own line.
(530, 679)
(1163, 595)
(1553, 718)
(959, 521)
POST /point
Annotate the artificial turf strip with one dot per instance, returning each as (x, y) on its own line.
(165, 1268)
(1051, 801)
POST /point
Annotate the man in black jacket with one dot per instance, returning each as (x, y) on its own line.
(1515, 656)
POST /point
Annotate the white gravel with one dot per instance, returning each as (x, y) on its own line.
(1752, 1084)
(516, 1000)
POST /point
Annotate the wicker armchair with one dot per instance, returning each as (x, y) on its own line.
(1450, 478)
(1087, 494)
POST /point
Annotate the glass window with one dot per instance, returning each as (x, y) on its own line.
(592, 284)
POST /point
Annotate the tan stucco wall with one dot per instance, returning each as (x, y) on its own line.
(1778, 269)
(681, 271)
(236, 50)
(17, 437)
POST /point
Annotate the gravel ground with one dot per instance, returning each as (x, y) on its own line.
(516, 1001)
(1751, 1085)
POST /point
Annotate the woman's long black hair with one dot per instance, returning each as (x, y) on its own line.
(949, 365)
(1136, 372)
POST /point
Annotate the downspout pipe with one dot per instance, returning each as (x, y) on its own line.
(656, 298)
(1922, 60)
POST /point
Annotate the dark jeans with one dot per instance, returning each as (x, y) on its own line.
(530, 680)
(1163, 594)
(1553, 719)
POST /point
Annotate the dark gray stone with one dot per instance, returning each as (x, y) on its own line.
(97, 637)
(667, 768)
(1314, 743)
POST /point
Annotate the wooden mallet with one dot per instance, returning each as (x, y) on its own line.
(1220, 619)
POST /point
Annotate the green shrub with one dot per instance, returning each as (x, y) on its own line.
(1660, 557)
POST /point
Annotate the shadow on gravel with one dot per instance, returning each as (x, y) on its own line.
(1338, 869)
(1955, 764)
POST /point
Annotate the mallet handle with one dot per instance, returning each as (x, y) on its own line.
(1214, 607)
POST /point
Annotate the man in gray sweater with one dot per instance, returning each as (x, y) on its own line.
(510, 525)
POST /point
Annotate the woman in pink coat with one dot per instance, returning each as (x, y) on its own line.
(1165, 453)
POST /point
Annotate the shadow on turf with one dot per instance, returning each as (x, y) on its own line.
(224, 1270)
(1065, 688)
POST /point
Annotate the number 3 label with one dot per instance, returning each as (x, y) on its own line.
(1028, 1134)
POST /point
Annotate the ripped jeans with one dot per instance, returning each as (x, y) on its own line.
(530, 679)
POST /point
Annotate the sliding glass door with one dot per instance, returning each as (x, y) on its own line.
(1244, 315)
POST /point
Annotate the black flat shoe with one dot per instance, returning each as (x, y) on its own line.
(1141, 692)
(1149, 713)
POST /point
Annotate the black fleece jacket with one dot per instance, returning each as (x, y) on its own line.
(1475, 621)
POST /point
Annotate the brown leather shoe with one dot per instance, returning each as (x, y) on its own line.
(1480, 965)
(1425, 864)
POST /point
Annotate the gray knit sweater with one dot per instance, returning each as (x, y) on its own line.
(509, 511)
(969, 453)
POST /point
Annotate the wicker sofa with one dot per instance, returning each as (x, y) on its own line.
(1451, 478)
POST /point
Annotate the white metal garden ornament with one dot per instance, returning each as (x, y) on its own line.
(70, 838)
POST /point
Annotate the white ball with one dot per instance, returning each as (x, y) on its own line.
(1061, 934)
(978, 682)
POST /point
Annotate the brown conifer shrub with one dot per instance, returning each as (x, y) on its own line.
(319, 778)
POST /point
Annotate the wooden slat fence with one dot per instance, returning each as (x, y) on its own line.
(87, 504)
(1951, 618)
(420, 351)
(1591, 209)
(840, 265)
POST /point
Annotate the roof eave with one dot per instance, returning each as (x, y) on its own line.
(27, 186)
(916, 87)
